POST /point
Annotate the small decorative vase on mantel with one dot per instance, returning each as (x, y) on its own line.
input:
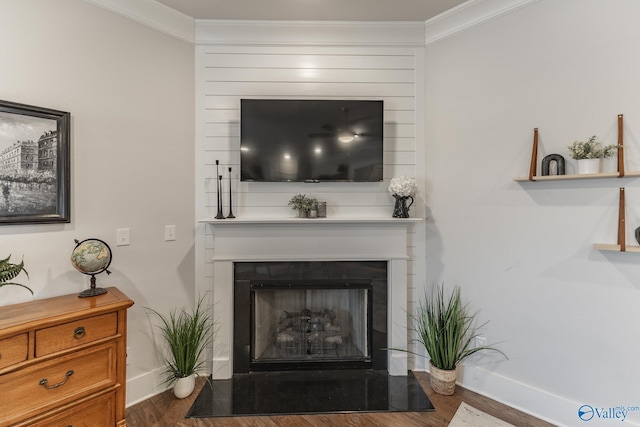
(402, 189)
(401, 209)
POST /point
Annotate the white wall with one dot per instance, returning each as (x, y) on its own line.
(567, 314)
(129, 90)
(312, 61)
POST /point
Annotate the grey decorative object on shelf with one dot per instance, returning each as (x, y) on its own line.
(322, 209)
(546, 163)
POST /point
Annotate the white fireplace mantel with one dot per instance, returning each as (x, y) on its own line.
(306, 239)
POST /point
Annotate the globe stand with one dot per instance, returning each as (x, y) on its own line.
(91, 257)
(92, 291)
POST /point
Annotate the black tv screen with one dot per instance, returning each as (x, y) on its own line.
(311, 141)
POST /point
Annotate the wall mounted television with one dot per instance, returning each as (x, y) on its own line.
(286, 140)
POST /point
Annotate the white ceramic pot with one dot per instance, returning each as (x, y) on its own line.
(588, 166)
(184, 386)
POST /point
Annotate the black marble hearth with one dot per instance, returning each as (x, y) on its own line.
(299, 392)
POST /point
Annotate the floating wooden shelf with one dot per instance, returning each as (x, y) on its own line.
(584, 176)
(534, 163)
(621, 246)
(615, 248)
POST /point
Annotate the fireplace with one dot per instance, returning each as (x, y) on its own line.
(310, 315)
(310, 254)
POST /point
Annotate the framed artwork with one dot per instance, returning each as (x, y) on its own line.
(34, 164)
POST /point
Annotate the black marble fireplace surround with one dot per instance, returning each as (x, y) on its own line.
(344, 277)
(312, 384)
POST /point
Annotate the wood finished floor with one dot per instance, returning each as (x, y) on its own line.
(164, 410)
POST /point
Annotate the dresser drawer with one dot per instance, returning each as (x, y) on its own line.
(96, 413)
(72, 334)
(43, 386)
(13, 350)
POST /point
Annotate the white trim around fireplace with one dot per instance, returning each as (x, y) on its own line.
(347, 239)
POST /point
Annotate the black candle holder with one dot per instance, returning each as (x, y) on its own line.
(219, 188)
(230, 203)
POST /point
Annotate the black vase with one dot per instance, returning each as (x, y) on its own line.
(401, 209)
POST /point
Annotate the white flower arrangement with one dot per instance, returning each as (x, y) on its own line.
(591, 149)
(403, 186)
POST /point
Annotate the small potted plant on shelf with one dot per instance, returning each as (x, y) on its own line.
(446, 328)
(590, 153)
(303, 204)
(188, 334)
(8, 271)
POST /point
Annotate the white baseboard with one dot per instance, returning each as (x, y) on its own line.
(145, 386)
(539, 403)
(558, 410)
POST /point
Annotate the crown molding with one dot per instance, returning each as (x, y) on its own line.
(468, 15)
(383, 33)
(152, 14)
(328, 33)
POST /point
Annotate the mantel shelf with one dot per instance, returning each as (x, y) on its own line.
(310, 221)
(615, 248)
(633, 174)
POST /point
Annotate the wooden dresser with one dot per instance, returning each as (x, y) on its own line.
(63, 361)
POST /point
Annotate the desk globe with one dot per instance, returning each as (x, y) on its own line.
(91, 256)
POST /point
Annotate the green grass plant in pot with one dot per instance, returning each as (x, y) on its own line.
(446, 328)
(187, 334)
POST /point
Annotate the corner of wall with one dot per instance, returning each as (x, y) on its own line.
(154, 15)
(467, 15)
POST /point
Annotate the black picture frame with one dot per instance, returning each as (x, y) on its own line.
(35, 169)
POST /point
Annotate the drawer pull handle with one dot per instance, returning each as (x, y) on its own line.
(79, 333)
(43, 382)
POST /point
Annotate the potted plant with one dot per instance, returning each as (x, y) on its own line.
(188, 334)
(447, 330)
(8, 271)
(303, 204)
(589, 154)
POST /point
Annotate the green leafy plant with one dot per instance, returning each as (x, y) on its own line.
(9, 271)
(188, 334)
(300, 202)
(591, 149)
(446, 328)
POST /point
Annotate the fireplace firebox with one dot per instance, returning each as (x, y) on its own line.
(310, 315)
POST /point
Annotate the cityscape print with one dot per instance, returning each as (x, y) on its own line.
(28, 165)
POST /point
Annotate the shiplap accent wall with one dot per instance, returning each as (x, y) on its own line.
(226, 73)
